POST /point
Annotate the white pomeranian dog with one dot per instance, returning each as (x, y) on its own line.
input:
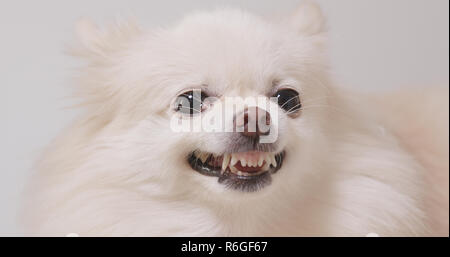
(324, 161)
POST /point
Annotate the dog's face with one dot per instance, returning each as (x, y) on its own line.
(257, 82)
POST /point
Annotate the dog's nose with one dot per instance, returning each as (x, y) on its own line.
(253, 122)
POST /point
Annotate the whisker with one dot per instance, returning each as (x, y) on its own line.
(290, 99)
(290, 110)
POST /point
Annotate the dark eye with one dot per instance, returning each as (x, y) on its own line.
(288, 100)
(190, 102)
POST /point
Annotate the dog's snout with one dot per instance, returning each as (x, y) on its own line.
(253, 122)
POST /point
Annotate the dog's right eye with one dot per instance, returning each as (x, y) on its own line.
(190, 102)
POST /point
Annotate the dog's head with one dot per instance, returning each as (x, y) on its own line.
(224, 103)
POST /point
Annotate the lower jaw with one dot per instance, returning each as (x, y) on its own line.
(244, 183)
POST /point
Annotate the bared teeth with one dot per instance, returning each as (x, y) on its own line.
(262, 159)
(226, 161)
(234, 159)
(202, 156)
(273, 161)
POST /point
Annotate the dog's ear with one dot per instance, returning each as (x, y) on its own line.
(99, 46)
(99, 42)
(308, 18)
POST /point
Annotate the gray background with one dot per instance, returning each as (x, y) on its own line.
(374, 44)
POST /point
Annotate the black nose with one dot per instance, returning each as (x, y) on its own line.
(252, 122)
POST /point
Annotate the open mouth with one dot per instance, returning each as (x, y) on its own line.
(245, 171)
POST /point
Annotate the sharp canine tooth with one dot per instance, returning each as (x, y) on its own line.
(266, 166)
(233, 169)
(273, 161)
(234, 160)
(226, 161)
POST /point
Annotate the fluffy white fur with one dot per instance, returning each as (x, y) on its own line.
(355, 164)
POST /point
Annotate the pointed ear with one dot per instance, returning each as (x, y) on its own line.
(308, 18)
(95, 41)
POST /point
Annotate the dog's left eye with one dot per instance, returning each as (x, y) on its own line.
(288, 100)
(190, 102)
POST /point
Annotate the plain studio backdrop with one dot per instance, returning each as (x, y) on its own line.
(375, 44)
